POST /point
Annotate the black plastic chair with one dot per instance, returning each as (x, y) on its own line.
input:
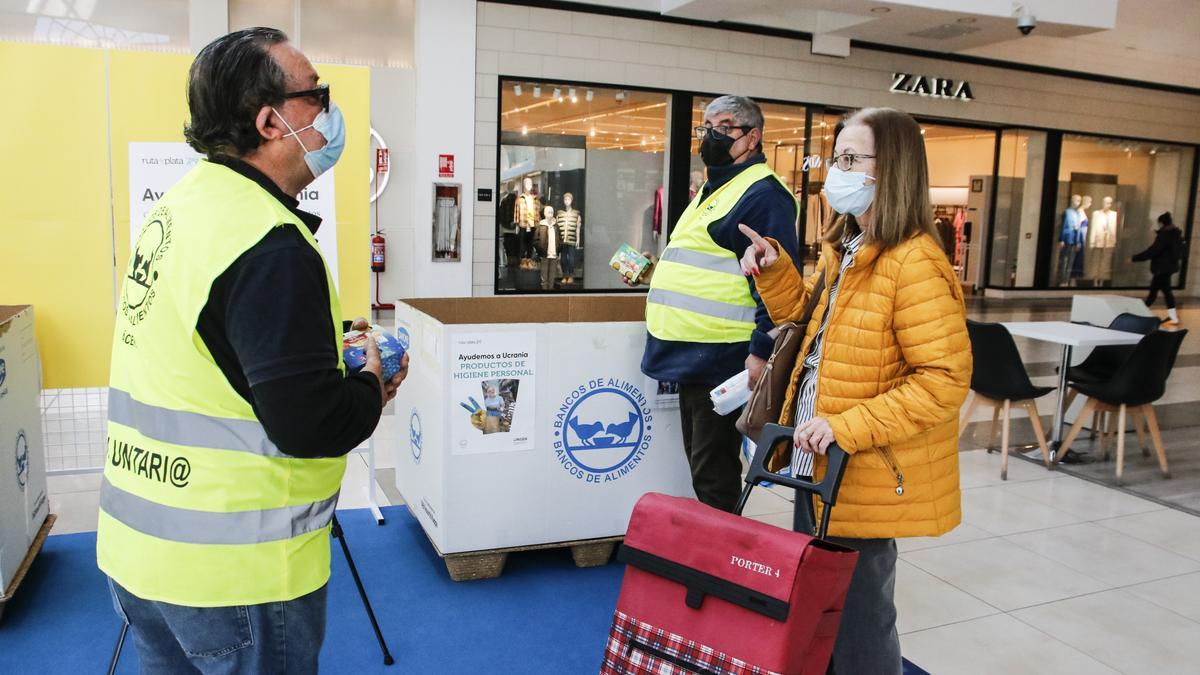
(1139, 382)
(999, 380)
(1104, 361)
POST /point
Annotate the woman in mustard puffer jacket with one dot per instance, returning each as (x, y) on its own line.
(883, 373)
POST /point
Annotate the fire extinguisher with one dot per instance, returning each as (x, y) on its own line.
(378, 248)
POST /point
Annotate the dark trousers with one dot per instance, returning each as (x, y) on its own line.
(526, 243)
(511, 248)
(867, 641)
(713, 446)
(1161, 282)
(568, 260)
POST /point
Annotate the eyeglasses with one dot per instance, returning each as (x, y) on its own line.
(719, 132)
(320, 93)
(846, 161)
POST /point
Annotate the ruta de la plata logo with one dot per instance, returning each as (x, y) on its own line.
(22, 459)
(145, 265)
(602, 430)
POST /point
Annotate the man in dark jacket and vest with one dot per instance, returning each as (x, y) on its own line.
(1164, 256)
(705, 319)
(230, 410)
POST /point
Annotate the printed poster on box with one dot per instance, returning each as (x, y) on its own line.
(155, 167)
(492, 388)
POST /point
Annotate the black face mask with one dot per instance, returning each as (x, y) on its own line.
(715, 151)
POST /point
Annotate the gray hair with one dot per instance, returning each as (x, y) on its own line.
(744, 110)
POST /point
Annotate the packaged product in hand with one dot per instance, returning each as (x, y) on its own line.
(391, 349)
(629, 263)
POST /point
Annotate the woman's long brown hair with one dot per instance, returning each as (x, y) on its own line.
(901, 208)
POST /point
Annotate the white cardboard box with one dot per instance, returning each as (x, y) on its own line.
(578, 437)
(23, 505)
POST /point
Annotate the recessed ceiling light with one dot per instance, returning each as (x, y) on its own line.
(524, 131)
(880, 10)
(517, 89)
(537, 91)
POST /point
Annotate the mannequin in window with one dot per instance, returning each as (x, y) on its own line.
(549, 243)
(570, 222)
(1102, 239)
(506, 219)
(527, 220)
(1081, 253)
(1069, 239)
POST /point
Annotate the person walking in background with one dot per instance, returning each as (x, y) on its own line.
(705, 322)
(884, 368)
(1164, 256)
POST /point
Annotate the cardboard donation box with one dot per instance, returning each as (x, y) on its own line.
(23, 505)
(528, 421)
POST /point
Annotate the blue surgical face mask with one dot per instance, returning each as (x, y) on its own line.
(848, 192)
(332, 126)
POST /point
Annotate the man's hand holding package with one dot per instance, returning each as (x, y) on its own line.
(375, 365)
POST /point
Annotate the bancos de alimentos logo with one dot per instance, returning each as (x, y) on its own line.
(602, 430)
(415, 439)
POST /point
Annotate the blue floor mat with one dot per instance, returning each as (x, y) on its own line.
(543, 615)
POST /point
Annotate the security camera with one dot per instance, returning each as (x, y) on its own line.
(1026, 22)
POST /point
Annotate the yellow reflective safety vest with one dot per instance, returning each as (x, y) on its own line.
(197, 506)
(698, 292)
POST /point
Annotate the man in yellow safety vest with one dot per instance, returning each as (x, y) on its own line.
(230, 410)
(704, 317)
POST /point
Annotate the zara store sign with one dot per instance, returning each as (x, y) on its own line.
(933, 87)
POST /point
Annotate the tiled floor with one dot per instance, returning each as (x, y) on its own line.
(1048, 573)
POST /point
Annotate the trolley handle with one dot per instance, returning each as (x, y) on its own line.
(772, 435)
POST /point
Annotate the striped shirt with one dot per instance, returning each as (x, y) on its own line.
(802, 462)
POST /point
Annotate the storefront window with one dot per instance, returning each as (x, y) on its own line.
(581, 172)
(1110, 194)
(1018, 208)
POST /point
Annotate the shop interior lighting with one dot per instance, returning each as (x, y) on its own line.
(517, 89)
(537, 90)
(593, 132)
(620, 97)
(558, 94)
(589, 95)
(524, 130)
(571, 93)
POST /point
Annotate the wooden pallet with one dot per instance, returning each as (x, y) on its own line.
(489, 564)
(34, 549)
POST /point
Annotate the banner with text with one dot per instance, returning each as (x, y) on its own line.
(492, 384)
(154, 167)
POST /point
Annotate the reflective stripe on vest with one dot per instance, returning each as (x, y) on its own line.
(692, 303)
(189, 428)
(705, 261)
(698, 292)
(213, 527)
(198, 506)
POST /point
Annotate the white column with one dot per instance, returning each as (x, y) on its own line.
(207, 21)
(444, 54)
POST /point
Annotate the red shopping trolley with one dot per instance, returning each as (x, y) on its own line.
(714, 593)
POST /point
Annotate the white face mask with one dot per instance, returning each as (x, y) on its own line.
(848, 192)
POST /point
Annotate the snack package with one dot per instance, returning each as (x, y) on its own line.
(629, 263)
(391, 349)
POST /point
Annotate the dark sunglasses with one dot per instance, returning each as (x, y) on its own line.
(320, 93)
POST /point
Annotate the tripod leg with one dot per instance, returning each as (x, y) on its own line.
(116, 657)
(362, 592)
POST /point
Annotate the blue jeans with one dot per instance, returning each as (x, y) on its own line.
(275, 637)
(568, 260)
